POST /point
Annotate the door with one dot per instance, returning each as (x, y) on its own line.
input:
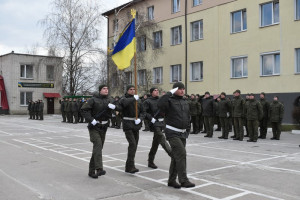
(50, 105)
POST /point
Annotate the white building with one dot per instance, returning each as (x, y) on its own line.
(31, 77)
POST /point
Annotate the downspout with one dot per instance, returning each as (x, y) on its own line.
(186, 49)
(107, 54)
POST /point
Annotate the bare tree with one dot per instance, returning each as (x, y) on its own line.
(72, 29)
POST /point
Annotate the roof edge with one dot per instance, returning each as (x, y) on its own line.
(24, 54)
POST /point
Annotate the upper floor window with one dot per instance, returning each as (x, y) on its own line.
(25, 97)
(175, 73)
(141, 43)
(297, 60)
(26, 71)
(270, 64)
(157, 39)
(176, 35)
(238, 21)
(197, 71)
(197, 30)
(157, 75)
(239, 67)
(128, 77)
(196, 2)
(269, 13)
(175, 6)
(297, 9)
(142, 77)
(116, 25)
(49, 72)
(151, 13)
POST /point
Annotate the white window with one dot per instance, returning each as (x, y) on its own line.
(238, 21)
(197, 2)
(297, 9)
(196, 71)
(116, 25)
(157, 75)
(128, 77)
(297, 60)
(239, 67)
(26, 71)
(50, 72)
(157, 39)
(269, 13)
(175, 73)
(142, 77)
(197, 30)
(151, 13)
(115, 79)
(175, 6)
(25, 97)
(270, 64)
(142, 43)
(176, 35)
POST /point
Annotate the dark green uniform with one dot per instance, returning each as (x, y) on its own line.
(62, 109)
(238, 104)
(36, 110)
(69, 111)
(224, 114)
(75, 109)
(253, 113)
(195, 112)
(208, 113)
(276, 111)
(41, 110)
(263, 123)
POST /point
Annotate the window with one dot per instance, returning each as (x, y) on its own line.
(297, 60)
(116, 25)
(176, 35)
(142, 77)
(115, 79)
(197, 30)
(175, 73)
(137, 18)
(151, 13)
(238, 21)
(197, 2)
(175, 6)
(270, 13)
(197, 71)
(142, 43)
(25, 97)
(239, 67)
(270, 64)
(297, 9)
(128, 77)
(50, 73)
(157, 39)
(157, 75)
(27, 71)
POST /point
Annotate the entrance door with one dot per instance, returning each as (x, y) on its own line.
(50, 105)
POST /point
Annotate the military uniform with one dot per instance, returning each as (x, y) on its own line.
(75, 109)
(195, 112)
(41, 110)
(36, 110)
(276, 111)
(238, 115)
(69, 111)
(263, 123)
(208, 114)
(29, 108)
(62, 109)
(224, 114)
(253, 113)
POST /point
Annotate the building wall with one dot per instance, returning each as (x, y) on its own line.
(10, 65)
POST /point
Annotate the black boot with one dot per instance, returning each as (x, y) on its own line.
(92, 174)
(174, 184)
(187, 184)
(101, 172)
(152, 165)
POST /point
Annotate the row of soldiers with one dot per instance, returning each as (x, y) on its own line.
(70, 109)
(36, 109)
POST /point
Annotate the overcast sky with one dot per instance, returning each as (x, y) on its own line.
(19, 29)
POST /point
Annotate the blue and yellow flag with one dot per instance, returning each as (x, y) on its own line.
(125, 48)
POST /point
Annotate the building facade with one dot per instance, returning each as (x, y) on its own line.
(31, 77)
(219, 45)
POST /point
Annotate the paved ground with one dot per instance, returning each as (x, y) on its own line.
(49, 160)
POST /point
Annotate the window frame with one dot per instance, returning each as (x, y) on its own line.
(25, 69)
(297, 60)
(116, 25)
(199, 3)
(154, 39)
(25, 97)
(179, 73)
(139, 40)
(243, 11)
(172, 35)
(178, 6)
(150, 8)
(261, 13)
(200, 30)
(243, 67)
(53, 76)
(201, 71)
(297, 15)
(274, 63)
(139, 77)
(161, 75)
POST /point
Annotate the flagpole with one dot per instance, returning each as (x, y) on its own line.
(135, 85)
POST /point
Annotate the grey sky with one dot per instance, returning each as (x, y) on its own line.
(19, 29)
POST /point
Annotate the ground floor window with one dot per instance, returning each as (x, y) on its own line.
(25, 97)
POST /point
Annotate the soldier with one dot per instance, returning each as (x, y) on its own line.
(238, 114)
(177, 118)
(41, 110)
(254, 113)
(69, 111)
(216, 118)
(146, 121)
(224, 114)
(263, 123)
(62, 109)
(118, 114)
(195, 111)
(32, 114)
(131, 124)
(156, 118)
(80, 117)
(96, 112)
(29, 108)
(75, 109)
(36, 110)
(208, 114)
(276, 111)
(245, 119)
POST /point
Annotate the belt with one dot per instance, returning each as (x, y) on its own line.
(102, 122)
(129, 118)
(175, 129)
(160, 119)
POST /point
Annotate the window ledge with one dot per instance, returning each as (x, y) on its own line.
(175, 12)
(239, 31)
(176, 44)
(270, 75)
(297, 73)
(26, 78)
(297, 20)
(197, 80)
(239, 77)
(23, 105)
(157, 48)
(197, 5)
(269, 25)
(197, 40)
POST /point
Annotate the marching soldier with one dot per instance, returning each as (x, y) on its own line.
(131, 125)
(208, 114)
(263, 123)
(177, 119)
(96, 112)
(238, 114)
(276, 111)
(224, 114)
(156, 118)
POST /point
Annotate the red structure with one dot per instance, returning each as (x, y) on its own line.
(4, 103)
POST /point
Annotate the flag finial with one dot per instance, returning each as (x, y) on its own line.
(133, 13)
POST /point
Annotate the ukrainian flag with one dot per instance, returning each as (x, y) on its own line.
(125, 48)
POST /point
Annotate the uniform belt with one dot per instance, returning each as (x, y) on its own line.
(102, 122)
(160, 119)
(175, 129)
(129, 118)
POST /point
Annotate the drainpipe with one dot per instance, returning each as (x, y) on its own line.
(107, 54)
(186, 49)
